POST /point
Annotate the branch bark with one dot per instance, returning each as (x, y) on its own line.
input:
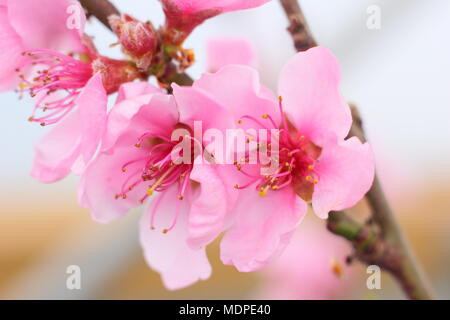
(298, 27)
(101, 9)
(387, 246)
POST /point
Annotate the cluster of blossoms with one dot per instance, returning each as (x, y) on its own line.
(125, 157)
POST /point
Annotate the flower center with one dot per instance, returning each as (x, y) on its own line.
(160, 171)
(61, 73)
(296, 158)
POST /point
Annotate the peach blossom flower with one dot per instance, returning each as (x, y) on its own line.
(317, 163)
(183, 16)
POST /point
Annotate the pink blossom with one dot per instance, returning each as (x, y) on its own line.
(139, 40)
(60, 68)
(72, 94)
(186, 204)
(305, 270)
(225, 51)
(30, 24)
(183, 16)
(317, 163)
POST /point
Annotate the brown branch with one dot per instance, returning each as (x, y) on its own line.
(298, 27)
(404, 267)
(388, 247)
(102, 9)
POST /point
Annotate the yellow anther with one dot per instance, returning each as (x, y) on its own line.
(124, 196)
(239, 167)
(150, 192)
(236, 186)
(309, 178)
(316, 181)
(137, 145)
(280, 98)
(265, 116)
(180, 197)
(337, 268)
(262, 194)
(165, 231)
(274, 187)
(240, 121)
(124, 169)
(310, 167)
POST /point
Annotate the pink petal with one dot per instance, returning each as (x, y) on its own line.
(211, 207)
(58, 150)
(346, 172)
(262, 228)
(158, 114)
(169, 254)
(43, 23)
(303, 271)
(225, 51)
(103, 179)
(131, 90)
(309, 85)
(73, 142)
(11, 49)
(92, 103)
(223, 5)
(238, 90)
(197, 105)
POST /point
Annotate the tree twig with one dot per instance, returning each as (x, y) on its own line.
(387, 247)
(101, 9)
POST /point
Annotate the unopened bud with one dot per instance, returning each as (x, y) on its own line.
(115, 72)
(138, 39)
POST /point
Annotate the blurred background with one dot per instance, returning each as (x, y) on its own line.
(399, 76)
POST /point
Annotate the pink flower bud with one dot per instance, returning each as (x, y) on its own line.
(183, 16)
(138, 39)
(114, 72)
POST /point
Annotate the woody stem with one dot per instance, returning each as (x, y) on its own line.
(102, 9)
